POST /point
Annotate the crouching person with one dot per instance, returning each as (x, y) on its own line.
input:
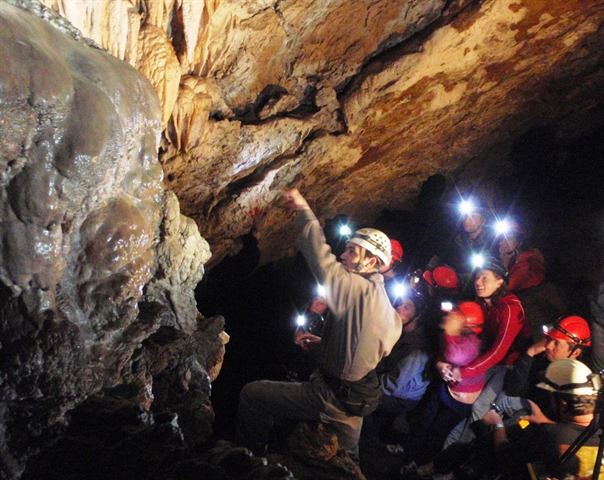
(545, 440)
(362, 330)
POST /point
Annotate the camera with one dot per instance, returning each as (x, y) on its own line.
(314, 323)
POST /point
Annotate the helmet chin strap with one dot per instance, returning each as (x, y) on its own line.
(358, 267)
(573, 350)
(361, 265)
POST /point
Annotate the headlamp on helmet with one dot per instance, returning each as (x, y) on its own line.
(477, 260)
(311, 322)
(399, 290)
(502, 227)
(414, 278)
(573, 329)
(466, 207)
(480, 261)
(344, 230)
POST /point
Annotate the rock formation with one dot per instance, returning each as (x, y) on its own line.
(98, 266)
(338, 98)
(355, 103)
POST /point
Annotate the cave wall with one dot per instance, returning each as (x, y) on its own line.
(98, 264)
(339, 98)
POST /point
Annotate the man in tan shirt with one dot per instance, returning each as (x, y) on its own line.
(362, 330)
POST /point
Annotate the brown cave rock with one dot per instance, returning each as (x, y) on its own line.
(96, 257)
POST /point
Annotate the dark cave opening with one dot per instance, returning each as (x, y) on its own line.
(555, 186)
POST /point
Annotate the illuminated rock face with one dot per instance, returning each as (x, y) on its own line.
(96, 256)
(349, 101)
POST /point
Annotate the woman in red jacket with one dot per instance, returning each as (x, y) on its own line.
(505, 334)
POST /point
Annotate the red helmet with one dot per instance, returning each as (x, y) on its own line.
(396, 250)
(474, 315)
(442, 276)
(573, 329)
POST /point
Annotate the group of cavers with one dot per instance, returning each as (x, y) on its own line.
(469, 368)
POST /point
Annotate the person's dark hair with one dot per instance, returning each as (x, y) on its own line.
(501, 291)
(494, 265)
(577, 404)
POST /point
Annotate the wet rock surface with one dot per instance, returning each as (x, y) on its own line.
(98, 265)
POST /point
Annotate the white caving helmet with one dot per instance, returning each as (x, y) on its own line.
(568, 376)
(375, 242)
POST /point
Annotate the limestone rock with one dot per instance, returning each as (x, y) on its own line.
(180, 257)
(453, 105)
(391, 91)
(96, 256)
(113, 24)
(157, 61)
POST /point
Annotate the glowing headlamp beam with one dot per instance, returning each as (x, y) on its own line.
(400, 290)
(300, 320)
(477, 260)
(466, 207)
(502, 227)
(345, 230)
(321, 291)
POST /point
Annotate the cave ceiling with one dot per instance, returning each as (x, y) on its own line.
(355, 103)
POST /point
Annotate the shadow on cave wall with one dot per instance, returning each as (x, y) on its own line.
(557, 187)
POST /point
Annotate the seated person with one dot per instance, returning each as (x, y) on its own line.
(540, 298)
(535, 438)
(450, 403)
(403, 375)
(525, 265)
(570, 337)
(474, 237)
(545, 440)
(505, 333)
(461, 346)
(307, 336)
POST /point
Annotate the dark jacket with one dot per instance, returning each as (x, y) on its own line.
(597, 328)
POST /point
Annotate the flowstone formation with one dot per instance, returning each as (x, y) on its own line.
(355, 103)
(98, 266)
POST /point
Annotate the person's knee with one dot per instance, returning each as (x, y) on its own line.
(250, 392)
